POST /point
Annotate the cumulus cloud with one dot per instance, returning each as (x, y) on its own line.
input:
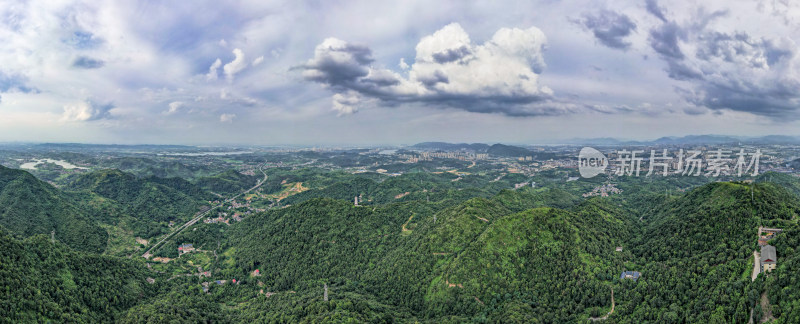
(610, 28)
(337, 63)
(86, 111)
(499, 76)
(258, 60)
(175, 106)
(227, 118)
(212, 70)
(237, 65)
(85, 62)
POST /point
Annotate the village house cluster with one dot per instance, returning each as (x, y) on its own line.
(603, 191)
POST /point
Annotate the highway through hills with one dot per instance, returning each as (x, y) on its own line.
(200, 216)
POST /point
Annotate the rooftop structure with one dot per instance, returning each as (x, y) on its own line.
(185, 248)
(633, 275)
(769, 258)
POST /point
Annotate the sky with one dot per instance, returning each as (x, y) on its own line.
(395, 72)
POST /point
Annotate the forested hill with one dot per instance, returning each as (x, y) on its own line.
(520, 256)
(152, 202)
(477, 259)
(698, 251)
(419, 248)
(29, 206)
(49, 282)
(227, 182)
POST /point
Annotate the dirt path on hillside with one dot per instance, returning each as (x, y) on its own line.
(404, 229)
(756, 265)
(605, 317)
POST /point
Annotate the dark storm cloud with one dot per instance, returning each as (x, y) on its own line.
(733, 47)
(85, 62)
(610, 28)
(774, 101)
(678, 70)
(432, 80)
(730, 71)
(383, 80)
(664, 40)
(655, 10)
(338, 64)
(743, 91)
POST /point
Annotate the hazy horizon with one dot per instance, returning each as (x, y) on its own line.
(566, 141)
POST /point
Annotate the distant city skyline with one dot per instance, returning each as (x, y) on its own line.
(370, 73)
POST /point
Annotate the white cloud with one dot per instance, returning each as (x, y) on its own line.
(212, 70)
(403, 65)
(175, 106)
(346, 103)
(499, 76)
(258, 60)
(227, 118)
(42, 39)
(237, 65)
(86, 111)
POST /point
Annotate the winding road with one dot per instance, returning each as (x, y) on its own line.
(609, 313)
(200, 216)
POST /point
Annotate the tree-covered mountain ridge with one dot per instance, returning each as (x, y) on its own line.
(538, 255)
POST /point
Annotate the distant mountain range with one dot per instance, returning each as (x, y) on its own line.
(509, 150)
(691, 139)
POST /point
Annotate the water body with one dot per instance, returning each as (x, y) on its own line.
(61, 163)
